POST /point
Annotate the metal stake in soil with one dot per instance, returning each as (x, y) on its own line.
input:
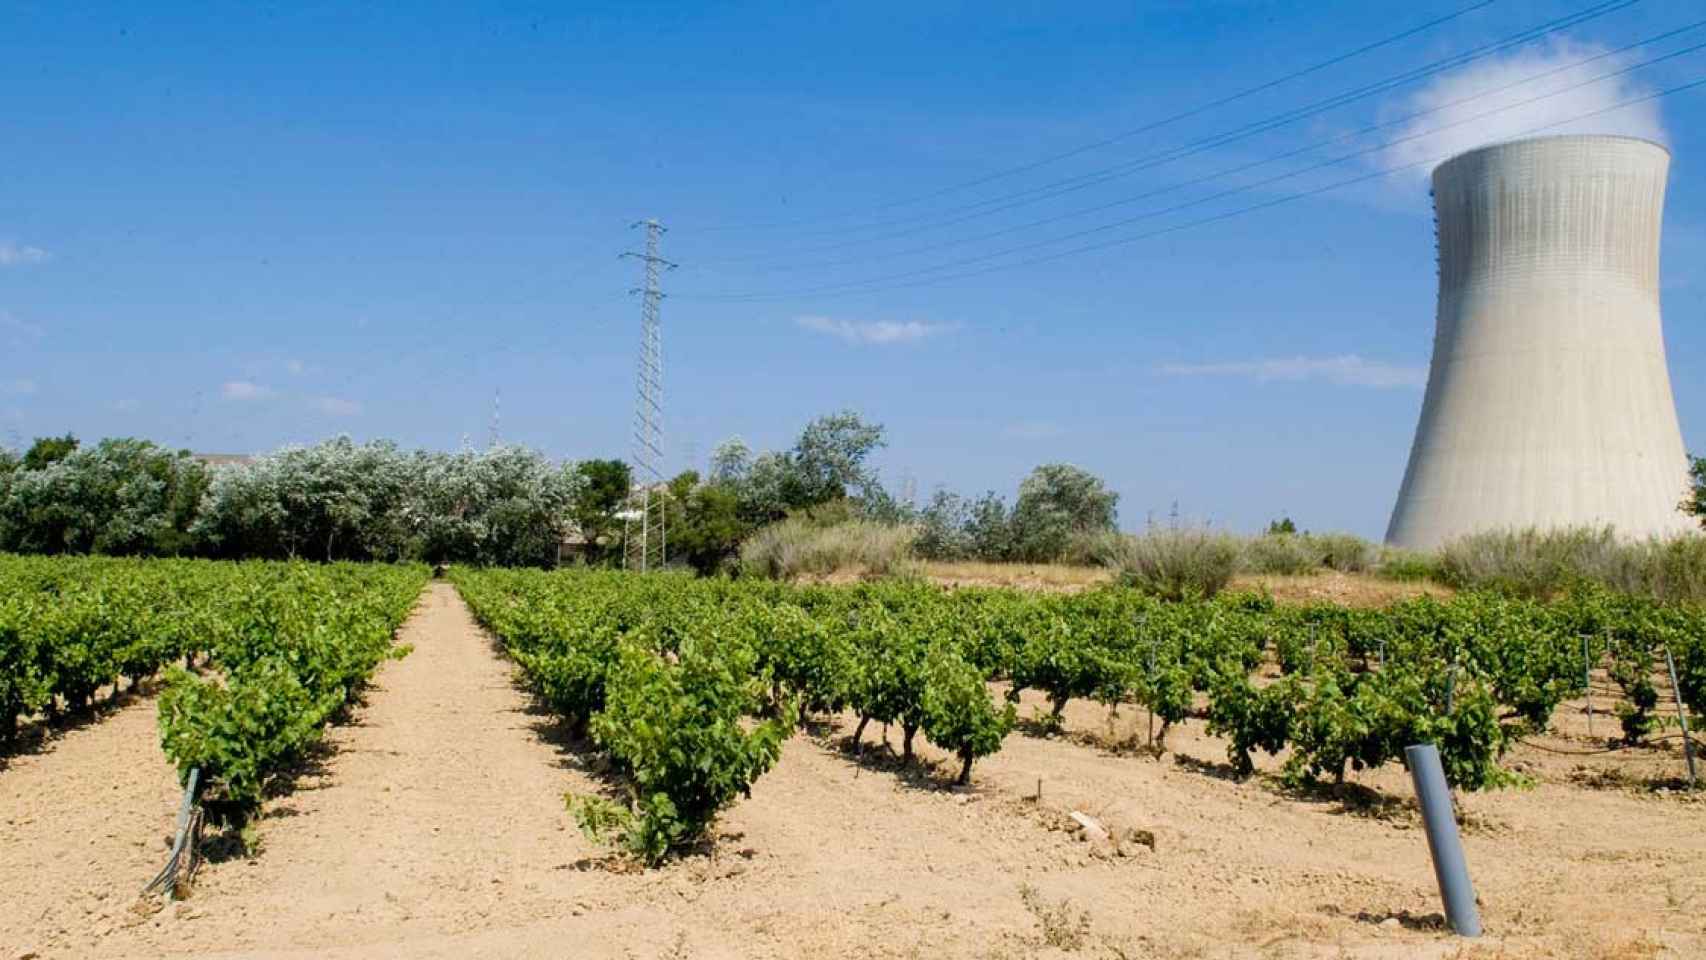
(1450, 869)
(1682, 714)
(1587, 681)
(171, 877)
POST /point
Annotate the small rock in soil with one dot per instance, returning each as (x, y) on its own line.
(1093, 830)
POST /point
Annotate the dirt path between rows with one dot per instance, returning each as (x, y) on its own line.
(434, 827)
(82, 824)
(436, 811)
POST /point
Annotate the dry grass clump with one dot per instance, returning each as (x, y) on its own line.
(1544, 563)
(1406, 566)
(798, 547)
(1281, 554)
(1053, 577)
(1344, 552)
(1175, 563)
(1671, 569)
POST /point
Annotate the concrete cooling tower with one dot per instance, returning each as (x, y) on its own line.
(1548, 401)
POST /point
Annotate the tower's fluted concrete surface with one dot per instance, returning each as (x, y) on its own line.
(1548, 401)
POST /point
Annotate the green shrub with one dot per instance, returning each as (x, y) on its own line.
(957, 712)
(1671, 569)
(1281, 554)
(1344, 552)
(1091, 548)
(1406, 565)
(1529, 563)
(677, 729)
(796, 547)
(265, 719)
(1293, 554)
(1176, 563)
(1541, 564)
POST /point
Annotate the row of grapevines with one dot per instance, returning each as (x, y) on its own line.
(295, 643)
(69, 626)
(668, 692)
(1471, 675)
(285, 646)
(1353, 687)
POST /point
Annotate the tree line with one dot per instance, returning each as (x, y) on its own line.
(507, 505)
(336, 500)
(512, 506)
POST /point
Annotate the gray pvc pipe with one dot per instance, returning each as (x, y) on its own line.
(1450, 869)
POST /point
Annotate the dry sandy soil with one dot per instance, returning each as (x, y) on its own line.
(1327, 586)
(433, 826)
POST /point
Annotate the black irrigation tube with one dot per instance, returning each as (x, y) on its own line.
(1594, 753)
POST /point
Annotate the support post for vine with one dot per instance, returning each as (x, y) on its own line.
(1451, 870)
(1682, 715)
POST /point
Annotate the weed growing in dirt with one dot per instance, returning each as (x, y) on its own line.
(1064, 927)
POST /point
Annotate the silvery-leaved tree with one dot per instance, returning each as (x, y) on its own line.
(1057, 502)
(828, 463)
(120, 496)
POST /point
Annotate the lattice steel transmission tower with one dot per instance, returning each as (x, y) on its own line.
(643, 536)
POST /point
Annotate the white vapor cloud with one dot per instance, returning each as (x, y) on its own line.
(335, 406)
(872, 331)
(242, 390)
(13, 254)
(1348, 370)
(1466, 112)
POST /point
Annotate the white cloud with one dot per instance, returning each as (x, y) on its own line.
(872, 331)
(335, 406)
(18, 388)
(242, 390)
(1348, 370)
(14, 255)
(1470, 108)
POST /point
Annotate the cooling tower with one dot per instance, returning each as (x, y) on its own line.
(1548, 400)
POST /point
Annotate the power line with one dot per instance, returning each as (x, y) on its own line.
(1245, 167)
(924, 222)
(1153, 125)
(1242, 211)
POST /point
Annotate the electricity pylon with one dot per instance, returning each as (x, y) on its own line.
(644, 540)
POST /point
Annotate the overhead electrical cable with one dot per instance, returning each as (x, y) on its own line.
(882, 285)
(1153, 125)
(938, 219)
(1246, 167)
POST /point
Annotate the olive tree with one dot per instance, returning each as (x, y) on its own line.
(829, 462)
(336, 500)
(1057, 502)
(122, 496)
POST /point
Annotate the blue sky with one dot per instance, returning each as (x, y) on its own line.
(232, 227)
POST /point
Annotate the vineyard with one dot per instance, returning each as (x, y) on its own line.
(663, 670)
(771, 748)
(269, 652)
